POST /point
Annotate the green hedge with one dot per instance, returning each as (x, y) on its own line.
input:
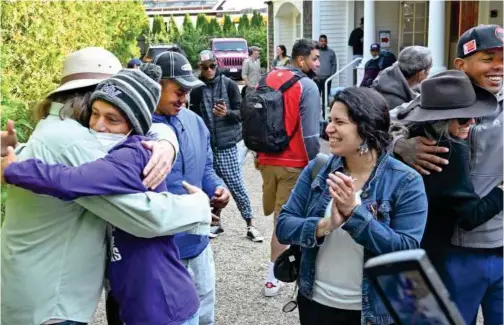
(37, 35)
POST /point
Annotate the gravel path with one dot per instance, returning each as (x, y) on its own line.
(241, 267)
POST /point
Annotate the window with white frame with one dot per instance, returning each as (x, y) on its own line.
(413, 23)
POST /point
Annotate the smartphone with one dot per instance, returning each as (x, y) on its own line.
(411, 289)
(219, 102)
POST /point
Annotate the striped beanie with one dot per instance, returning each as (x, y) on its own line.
(135, 92)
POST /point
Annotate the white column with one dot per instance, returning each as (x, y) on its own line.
(369, 36)
(316, 20)
(436, 41)
(369, 29)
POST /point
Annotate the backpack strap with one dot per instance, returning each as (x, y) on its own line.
(289, 83)
(320, 160)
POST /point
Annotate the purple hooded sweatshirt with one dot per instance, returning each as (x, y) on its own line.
(146, 275)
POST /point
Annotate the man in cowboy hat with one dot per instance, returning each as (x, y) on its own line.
(480, 56)
(53, 252)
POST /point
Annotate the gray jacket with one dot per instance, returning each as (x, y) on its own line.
(328, 63)
(394, 87)
(486, 173)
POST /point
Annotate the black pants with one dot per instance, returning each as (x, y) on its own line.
(313, 313)
(320, 83)
(112, 309)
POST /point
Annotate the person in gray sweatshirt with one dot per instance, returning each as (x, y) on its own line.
(395, 83)
(327, 68)
(475, 265)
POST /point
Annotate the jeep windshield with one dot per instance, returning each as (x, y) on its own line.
(237, 46)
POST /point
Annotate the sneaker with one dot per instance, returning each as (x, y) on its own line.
(215, 231)
(254, 235)
(272, 289)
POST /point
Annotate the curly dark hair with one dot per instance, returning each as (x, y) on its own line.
(369, 111)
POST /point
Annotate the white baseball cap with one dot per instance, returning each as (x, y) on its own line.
(87, 67)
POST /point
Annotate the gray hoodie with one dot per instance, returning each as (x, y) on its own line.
(328, 64)
(486, 173)
(394, 87)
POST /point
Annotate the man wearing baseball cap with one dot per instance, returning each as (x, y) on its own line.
(194, 165)
(378, 62)
(474, 270)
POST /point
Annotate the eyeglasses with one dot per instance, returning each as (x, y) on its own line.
(210, 66)
(463, 121)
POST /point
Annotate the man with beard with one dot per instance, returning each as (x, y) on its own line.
(218, 104)
(280, 171)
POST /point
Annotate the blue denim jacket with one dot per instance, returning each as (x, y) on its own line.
(391, 218)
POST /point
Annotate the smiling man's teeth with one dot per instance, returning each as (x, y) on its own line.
(497, 79)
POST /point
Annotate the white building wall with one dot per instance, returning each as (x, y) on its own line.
(387, 18)
(334, 17)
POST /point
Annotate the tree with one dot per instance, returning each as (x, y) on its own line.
(187, 25)
(158, 25)
(202, 23)
(173, 31)
(256, 21)
(213, 28)
(244, 23)
(228, 26)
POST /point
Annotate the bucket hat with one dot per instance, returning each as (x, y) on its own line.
(87, 67)
(449, 95)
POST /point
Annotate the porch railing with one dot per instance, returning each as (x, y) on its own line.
(336, 74)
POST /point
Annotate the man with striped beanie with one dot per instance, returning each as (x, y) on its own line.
(135, 93)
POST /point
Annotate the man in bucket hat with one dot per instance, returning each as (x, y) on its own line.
(54, 252)
(194, 165)
(476, 263)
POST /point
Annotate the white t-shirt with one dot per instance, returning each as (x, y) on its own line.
(339, 267)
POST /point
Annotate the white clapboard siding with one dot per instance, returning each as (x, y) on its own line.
(334, 17)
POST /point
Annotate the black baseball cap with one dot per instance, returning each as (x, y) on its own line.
(479, 38)
(176, 66)
(375, 47)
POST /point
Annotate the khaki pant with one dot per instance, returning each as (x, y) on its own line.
(278, 183)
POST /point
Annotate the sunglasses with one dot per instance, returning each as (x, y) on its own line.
(210, 66)
(463, 121)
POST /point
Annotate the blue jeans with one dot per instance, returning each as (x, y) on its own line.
(242, 152)
(474, 277)
(194, 320)
(202, 270)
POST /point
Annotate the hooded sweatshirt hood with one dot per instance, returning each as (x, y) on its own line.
(394, 87)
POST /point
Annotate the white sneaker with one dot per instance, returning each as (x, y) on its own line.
(254, 235)
(272, 289)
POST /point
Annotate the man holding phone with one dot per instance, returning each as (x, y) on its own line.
(218, 103)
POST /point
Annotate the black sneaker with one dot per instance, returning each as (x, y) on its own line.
(254, 235)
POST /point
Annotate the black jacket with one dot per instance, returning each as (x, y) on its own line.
(225, 131)
(452, 199)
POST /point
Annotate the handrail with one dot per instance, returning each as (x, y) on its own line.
(334, 75)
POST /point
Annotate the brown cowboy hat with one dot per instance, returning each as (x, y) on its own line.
(449, 95)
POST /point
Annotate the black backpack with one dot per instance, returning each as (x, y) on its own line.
(263, 117)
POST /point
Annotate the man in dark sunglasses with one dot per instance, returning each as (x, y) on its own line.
(218, 104)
